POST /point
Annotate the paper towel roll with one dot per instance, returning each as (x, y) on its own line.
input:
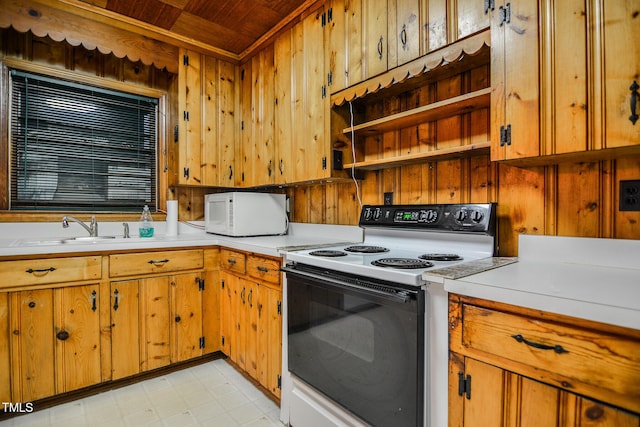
(172, 217)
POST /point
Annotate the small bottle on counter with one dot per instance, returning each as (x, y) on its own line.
(146, 223)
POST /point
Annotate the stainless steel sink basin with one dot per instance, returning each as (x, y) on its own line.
(88, 239)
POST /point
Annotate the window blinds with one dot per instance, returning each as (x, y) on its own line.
(78, 147)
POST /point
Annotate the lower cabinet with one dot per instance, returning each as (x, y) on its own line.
(517, 367)
(251, 315)
(54, 341)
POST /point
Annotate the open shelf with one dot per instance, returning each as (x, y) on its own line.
(438, 110)
(434, 155)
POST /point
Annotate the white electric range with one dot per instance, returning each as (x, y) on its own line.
(367, 337)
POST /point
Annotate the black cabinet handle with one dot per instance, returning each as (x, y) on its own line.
(158, 261)
(231, 261)
(116, 296)
(262, 269)
(403, 37)
(178, 319)
(230, 172)
(380, 48)
(94, 307)
(634, 101)
(557, 348)
(62, 335)
(40, 270)
(32, 304)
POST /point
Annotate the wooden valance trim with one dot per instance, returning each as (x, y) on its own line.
(443, 56)
(43, 20)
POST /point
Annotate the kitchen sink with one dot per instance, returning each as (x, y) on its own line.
(89, 239)
(81, 240)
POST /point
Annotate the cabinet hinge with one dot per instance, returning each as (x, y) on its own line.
(505, 14)
(330, 78)
(176, 134)
(489, 5)
(324, 91)
(280, 382)
(241, 124)
(279, 307)
(242, 74)
(186, 172)
(222, 283)
(330, 15)
(185, 60)
(324, 163)
(201, 342)
(223, 340)
(200, 282)
(505, 135)
(464, 385)
(185, 116)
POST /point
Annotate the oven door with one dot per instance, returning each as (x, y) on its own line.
(358, 341)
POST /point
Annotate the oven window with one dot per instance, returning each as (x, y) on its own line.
(363, 352)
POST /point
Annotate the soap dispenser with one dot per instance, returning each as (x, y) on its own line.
(146, 223)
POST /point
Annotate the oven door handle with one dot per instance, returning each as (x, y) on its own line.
(403, 296)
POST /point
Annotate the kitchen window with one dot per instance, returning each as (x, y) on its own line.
(79, 147)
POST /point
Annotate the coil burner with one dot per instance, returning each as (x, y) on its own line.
(404, 263)
(328, 253)
(366, 249)
(441, 257)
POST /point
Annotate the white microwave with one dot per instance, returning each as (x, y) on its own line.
(241, 214)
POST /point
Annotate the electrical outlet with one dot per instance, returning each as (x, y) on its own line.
(388, 198)
(630, 195)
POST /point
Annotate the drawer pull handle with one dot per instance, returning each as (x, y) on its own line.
(634, 102)
(158, 261)
(557, 348)
(262, 269)
(231, 261)
(116, 297)
(40, 270)
(94, 294)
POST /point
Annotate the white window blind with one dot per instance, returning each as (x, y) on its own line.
(79, 147)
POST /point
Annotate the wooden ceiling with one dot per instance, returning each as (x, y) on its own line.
(230, 25)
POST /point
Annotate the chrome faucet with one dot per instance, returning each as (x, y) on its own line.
(125, 225)
(91, 228)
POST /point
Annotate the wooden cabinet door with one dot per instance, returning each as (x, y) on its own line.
(238, 299)
(186, 312)
(32, 345)
(77, 332)
(404, 31)
(227, 325)
(515, 80)
(621, 52)
(226, 123)
(211, 295)
(5, 355)
(190, 125)
(155, 322)
(249, 328)
(284, 87)
(125, 329)
(269, 309)
(471, 16)
(375, 34)
(344, 43)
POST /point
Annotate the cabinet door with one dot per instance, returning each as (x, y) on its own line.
(227, 326)
(621, 52)
(77, 332)
(404, 40)
(269, 304)
(515, 80)
(376, 42)
(125, 327)
(32, 345)
(5, 361)
(249, 328)
(190, 125)
(285, 87)
(472, 16)
(211, 304)
(155, 324)
(186, 297)
(226, 123)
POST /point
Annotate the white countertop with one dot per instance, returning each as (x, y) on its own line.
(41, 238)
(588, 278)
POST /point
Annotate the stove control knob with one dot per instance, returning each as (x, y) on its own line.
(431, 216)
(377, 214)
(367, 214)
(477, 216)
(460, 215)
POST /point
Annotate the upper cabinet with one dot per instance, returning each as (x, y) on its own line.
(206, 123)
(375, 30)
(569, 97)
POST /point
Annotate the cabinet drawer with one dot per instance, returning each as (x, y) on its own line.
(155, 262)
(568, 354)
(263, 269)
(232, 260)
(50, 270)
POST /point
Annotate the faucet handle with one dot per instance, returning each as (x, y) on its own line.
(125, 225)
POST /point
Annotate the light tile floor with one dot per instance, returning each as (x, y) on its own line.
(212, 394)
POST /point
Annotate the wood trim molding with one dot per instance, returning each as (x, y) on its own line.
(76, 26)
